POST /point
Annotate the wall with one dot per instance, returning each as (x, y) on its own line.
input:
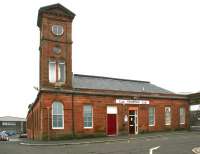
(33, 121)
(100, 103)
(47, 41)
(160, 105)
(42, 120)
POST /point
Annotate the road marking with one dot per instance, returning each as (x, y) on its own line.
(196, 150)
(154, 148)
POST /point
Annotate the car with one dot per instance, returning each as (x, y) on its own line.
(4, 136)
(10, 133)
(23, 135)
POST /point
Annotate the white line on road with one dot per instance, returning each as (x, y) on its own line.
(154, 148)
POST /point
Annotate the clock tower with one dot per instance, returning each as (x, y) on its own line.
(55, 23)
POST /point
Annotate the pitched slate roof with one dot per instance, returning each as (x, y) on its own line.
(106, 83)
(9, 118)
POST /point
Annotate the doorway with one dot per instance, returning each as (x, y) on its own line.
(111, 120)
(195, 117)
(111, 124)
(133, 122)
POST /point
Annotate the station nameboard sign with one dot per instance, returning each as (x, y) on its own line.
(124, 101)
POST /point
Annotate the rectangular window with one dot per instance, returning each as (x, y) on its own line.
(57, 115)
(61, 71)
(151, 116)
(167, 115)
(182, 115)
(56, 71)
(87, 113)
(52, 71)
(8, 123)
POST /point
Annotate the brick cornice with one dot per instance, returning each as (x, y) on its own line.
(115, 93)
(64, 42)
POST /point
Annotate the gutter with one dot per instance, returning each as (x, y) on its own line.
(115, 93)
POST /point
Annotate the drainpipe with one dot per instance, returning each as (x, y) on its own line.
(33, 124)
(73, 122)
(48, 123)
(188, 115)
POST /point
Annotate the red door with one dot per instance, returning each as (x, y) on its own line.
(111, 124)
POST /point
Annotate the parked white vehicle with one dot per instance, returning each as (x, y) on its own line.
(4, 136)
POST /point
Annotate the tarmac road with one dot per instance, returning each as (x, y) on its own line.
(169, 144)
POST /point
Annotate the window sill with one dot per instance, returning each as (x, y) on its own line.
(54, 128)
(151, 125)
(57, 83)
(88, 127)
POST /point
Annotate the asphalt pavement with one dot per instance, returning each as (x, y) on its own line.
(163, 143)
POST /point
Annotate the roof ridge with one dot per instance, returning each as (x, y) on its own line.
(103, 77)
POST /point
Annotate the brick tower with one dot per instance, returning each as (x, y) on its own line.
(55, 23)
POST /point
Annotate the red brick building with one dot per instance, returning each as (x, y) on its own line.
(73, 105)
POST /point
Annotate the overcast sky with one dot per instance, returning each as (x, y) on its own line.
(153, 40)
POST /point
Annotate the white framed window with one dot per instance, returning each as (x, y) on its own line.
(52, 71)
(182, 115)
(88, 117)
(61, 72)
(9, 123)
(151, 116)
(56, 71)
(57, 30)
(167, 115)
(57, 115)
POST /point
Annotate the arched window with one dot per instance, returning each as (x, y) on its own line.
(57, 115)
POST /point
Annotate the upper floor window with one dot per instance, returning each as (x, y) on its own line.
(87, 113)
(57, 115)
(151, 116)
(57, 30)
(182, 115)
(9, 123)
(56, 71)
(167, 115)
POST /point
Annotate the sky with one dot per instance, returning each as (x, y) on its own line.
(156, 41)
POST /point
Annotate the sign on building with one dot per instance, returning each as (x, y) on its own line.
(124, 101)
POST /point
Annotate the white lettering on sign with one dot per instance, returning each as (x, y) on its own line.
(123, 101)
